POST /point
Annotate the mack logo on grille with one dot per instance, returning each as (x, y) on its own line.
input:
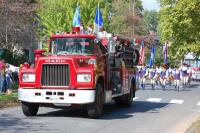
(55, 61)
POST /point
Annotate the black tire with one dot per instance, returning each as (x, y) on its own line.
(118, 101)
(95, 109)
(129, 98)
(29, 109)
(126, 100)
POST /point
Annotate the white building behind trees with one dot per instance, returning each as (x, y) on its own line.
(192, 60)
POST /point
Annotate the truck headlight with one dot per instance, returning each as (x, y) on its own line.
(84, 78)
(28, 77)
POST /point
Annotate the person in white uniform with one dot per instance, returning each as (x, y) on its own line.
(184, 74)
(152, 76)
(158, 72)
(163, 76)
(143, 73)
(177, 78)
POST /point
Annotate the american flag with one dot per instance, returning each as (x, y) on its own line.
(142, 58)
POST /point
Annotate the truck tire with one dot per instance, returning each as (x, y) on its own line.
(95, 109)
(126, 100)
(30, 109)
(129, 98)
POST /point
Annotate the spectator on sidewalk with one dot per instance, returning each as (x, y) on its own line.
(8, 78)
(2, 76)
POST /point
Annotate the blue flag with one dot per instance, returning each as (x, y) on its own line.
(151, 60)
(98, 21)
(77, 17)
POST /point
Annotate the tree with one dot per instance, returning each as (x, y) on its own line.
(17, 32)
(57, 15)
(151, 19)
(16, 24)
(179, 24)
(124, 20)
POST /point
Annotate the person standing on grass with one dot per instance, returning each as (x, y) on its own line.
(2, 76)
(8, 78)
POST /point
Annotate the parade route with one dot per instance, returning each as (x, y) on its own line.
(153, 111)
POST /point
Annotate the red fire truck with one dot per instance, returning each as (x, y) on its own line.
(80, 70)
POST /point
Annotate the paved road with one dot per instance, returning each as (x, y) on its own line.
(153, 111)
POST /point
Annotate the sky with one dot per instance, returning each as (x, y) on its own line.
(150, 4)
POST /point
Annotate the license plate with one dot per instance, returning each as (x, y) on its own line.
(55, 98)
(62, 104)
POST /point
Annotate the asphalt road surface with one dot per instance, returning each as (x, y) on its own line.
(153, 111)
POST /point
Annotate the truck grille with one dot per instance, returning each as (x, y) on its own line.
(55, 75)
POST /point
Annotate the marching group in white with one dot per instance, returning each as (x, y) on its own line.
(161, 75)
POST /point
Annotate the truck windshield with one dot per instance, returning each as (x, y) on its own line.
(72, 46)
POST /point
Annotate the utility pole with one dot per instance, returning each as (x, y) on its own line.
(133, 3)
(6, 26)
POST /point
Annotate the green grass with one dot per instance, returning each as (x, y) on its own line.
(9, 98)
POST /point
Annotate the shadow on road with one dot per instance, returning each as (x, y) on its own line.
(111, 111)
(195, 85)
(170, 88)
(10, 123)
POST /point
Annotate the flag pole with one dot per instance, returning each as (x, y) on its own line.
(98, 16)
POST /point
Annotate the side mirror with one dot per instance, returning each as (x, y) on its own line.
(39, 52)
(111, 46)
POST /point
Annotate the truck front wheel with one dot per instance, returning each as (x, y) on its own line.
(95, 109)
(30, 109)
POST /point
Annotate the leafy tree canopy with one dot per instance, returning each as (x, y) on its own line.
(123, 21)
(179, 24)
(57, 15)
(151, 19)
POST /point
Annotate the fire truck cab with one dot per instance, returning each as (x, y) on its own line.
(80, 69)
